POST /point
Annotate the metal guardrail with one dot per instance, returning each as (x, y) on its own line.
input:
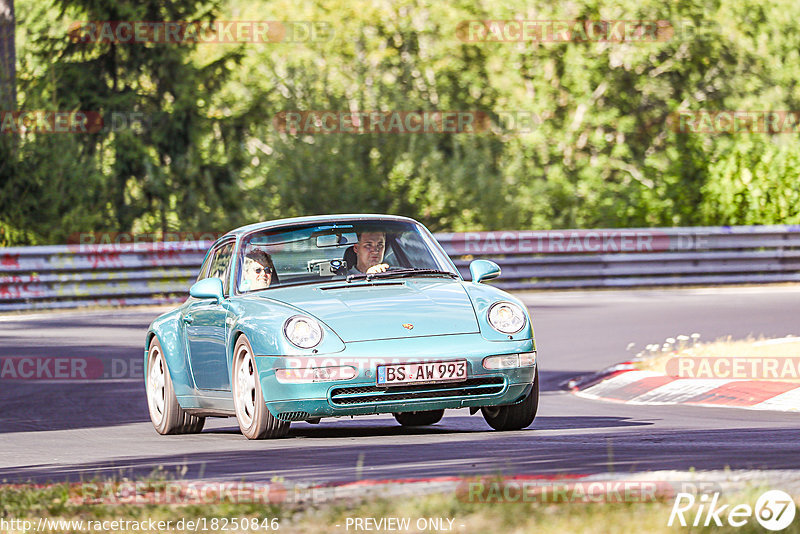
(66, 276)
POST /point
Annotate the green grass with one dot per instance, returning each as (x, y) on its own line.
(63, 501)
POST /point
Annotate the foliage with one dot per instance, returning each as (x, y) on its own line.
(211, 157)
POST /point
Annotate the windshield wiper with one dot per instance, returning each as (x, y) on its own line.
(399, 273)
(409, 272)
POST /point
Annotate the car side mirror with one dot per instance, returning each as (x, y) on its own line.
(483, 270)
(208, 288)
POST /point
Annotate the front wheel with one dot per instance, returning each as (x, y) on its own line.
(516, 416)
(430, 417)
(254, 418)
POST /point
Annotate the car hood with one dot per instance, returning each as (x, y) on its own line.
(363, 312)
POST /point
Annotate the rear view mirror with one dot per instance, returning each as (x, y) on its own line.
(208, 288)
(483, 270)
(334, 240)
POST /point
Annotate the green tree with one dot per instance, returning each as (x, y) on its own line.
(151, 164)
(8, 56)
(602, 152)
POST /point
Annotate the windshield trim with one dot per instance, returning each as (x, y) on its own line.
(426, 235)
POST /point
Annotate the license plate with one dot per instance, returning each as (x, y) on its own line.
(400, 374)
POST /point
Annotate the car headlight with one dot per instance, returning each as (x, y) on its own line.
(302, 331)
(506, 317)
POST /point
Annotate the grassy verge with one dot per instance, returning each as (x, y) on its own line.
(453, 512)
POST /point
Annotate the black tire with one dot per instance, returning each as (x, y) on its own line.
(515, 416)
(254, 418)
(166, 414)
(430, 417)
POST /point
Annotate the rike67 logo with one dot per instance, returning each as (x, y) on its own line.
(774, 510)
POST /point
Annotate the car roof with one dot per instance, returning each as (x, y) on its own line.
(314, 219)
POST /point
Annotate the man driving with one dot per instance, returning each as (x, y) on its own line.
(258, 270)
(369, 253)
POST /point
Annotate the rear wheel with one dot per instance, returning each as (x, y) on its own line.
(516, 416)
(419, 418)
(165, 412)
(254, 418)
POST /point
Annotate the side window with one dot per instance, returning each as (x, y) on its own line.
(204, 269)
(412, 247)
(219, 264)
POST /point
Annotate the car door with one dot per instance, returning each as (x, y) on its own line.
(206, 328)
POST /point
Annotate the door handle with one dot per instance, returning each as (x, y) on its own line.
(188, 319)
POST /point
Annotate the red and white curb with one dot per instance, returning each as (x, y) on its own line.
(625, 383)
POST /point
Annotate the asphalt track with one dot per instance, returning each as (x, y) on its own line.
(57, 430)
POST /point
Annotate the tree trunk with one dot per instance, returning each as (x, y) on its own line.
(8, 57)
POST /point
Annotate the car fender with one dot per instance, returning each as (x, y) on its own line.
(482, 297)
(167, 329)
(262, 320)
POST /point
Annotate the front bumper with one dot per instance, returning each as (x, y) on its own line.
(361, 396)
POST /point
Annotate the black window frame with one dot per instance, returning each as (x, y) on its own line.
(211, 255)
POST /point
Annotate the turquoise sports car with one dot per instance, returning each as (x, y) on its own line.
(330, 316)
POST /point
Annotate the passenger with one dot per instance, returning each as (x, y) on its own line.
(258, 270)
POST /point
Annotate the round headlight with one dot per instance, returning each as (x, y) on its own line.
(303, 332)
(506, 317)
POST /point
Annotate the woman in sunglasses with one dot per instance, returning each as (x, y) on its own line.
(258, 270)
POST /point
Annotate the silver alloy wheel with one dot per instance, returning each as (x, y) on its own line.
(246, 386)
(156, 385)
(166, 414)
(255, 420)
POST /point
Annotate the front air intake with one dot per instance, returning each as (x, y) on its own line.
(294, 416)
(474, 387)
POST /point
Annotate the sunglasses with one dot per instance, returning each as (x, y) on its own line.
(258, 270)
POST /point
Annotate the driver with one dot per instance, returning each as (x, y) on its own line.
(258, 270)
(369, 253)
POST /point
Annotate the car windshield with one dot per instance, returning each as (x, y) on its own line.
(338, 250)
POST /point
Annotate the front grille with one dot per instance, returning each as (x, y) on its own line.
(372, 394)
(293, 416)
